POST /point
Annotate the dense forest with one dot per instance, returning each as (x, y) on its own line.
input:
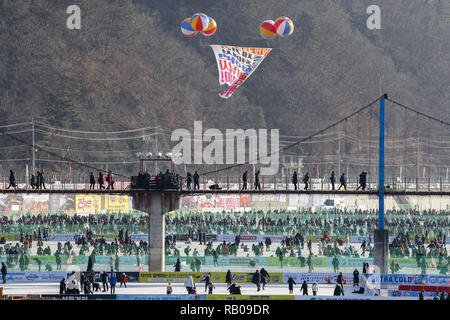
(131, 67)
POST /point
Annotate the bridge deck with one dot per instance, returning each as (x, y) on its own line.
(207, 191)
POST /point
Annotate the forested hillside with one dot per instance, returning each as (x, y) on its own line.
(130, 63)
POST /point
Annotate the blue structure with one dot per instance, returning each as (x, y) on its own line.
(381, 164)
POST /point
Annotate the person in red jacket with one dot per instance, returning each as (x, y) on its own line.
(110, 180)
(101, 181)
(123, 280)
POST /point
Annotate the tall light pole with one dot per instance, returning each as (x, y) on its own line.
(33, 165)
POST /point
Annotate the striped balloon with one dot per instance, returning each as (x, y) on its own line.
(199, 21)
(284, 26)
(186, 28)
(211, 29)
(267, 30)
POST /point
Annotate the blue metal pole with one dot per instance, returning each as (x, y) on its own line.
(381, 165)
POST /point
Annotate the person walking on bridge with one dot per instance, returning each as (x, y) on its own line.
(189, 180)
(110, 180)
(244, 180)
(12, 180)
(100, 181)
(295, 180)
(41, 180)
(257, 183)
(332, 180)
(196, 181)
(306, 181)
(91, 182)
(343, 183)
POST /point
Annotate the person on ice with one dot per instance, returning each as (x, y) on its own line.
(338, 290)
(356, 278)
(62, 286)
(169, 288)
(265, 277)
(104, 277)
(123, 280)
(189, 284)
(291, 283)
(304, 288)
(257, 280)
(113, 282)
(315, 288)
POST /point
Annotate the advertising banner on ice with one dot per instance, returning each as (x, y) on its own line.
(161, 297)
(27, 277)
(236, 64)
(317, 277)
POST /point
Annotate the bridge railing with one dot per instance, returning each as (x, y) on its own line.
(64, 182)
(234, 183)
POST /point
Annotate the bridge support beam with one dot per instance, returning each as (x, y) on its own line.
(381, 253)
(156, 204)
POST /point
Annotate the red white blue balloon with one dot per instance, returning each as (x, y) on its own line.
(284, 26)
(187, 29)
(199, 22)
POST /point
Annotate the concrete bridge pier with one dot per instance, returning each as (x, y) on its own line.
(156, 204)
(381, 250)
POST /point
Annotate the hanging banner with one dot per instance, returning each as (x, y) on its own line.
(118, 203)
(236, 64)
(88, 204)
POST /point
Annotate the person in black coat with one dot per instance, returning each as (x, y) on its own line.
(228, 278)
(265, 277)
(304, 288)
(91, 181)
(340, 280)
(338, 290)
(291, 283)
(12, 180)
(4, 272)
(189, 180)
(257, 280)
(177, 265)
(421, 295)
(343, 182)
(196, 181)
(332, 180)
(244, 180)
(257, 183)
(62, 286)
(364, 268)
(105, 279)
(295, 180)
(306, 181)
(356, 278)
